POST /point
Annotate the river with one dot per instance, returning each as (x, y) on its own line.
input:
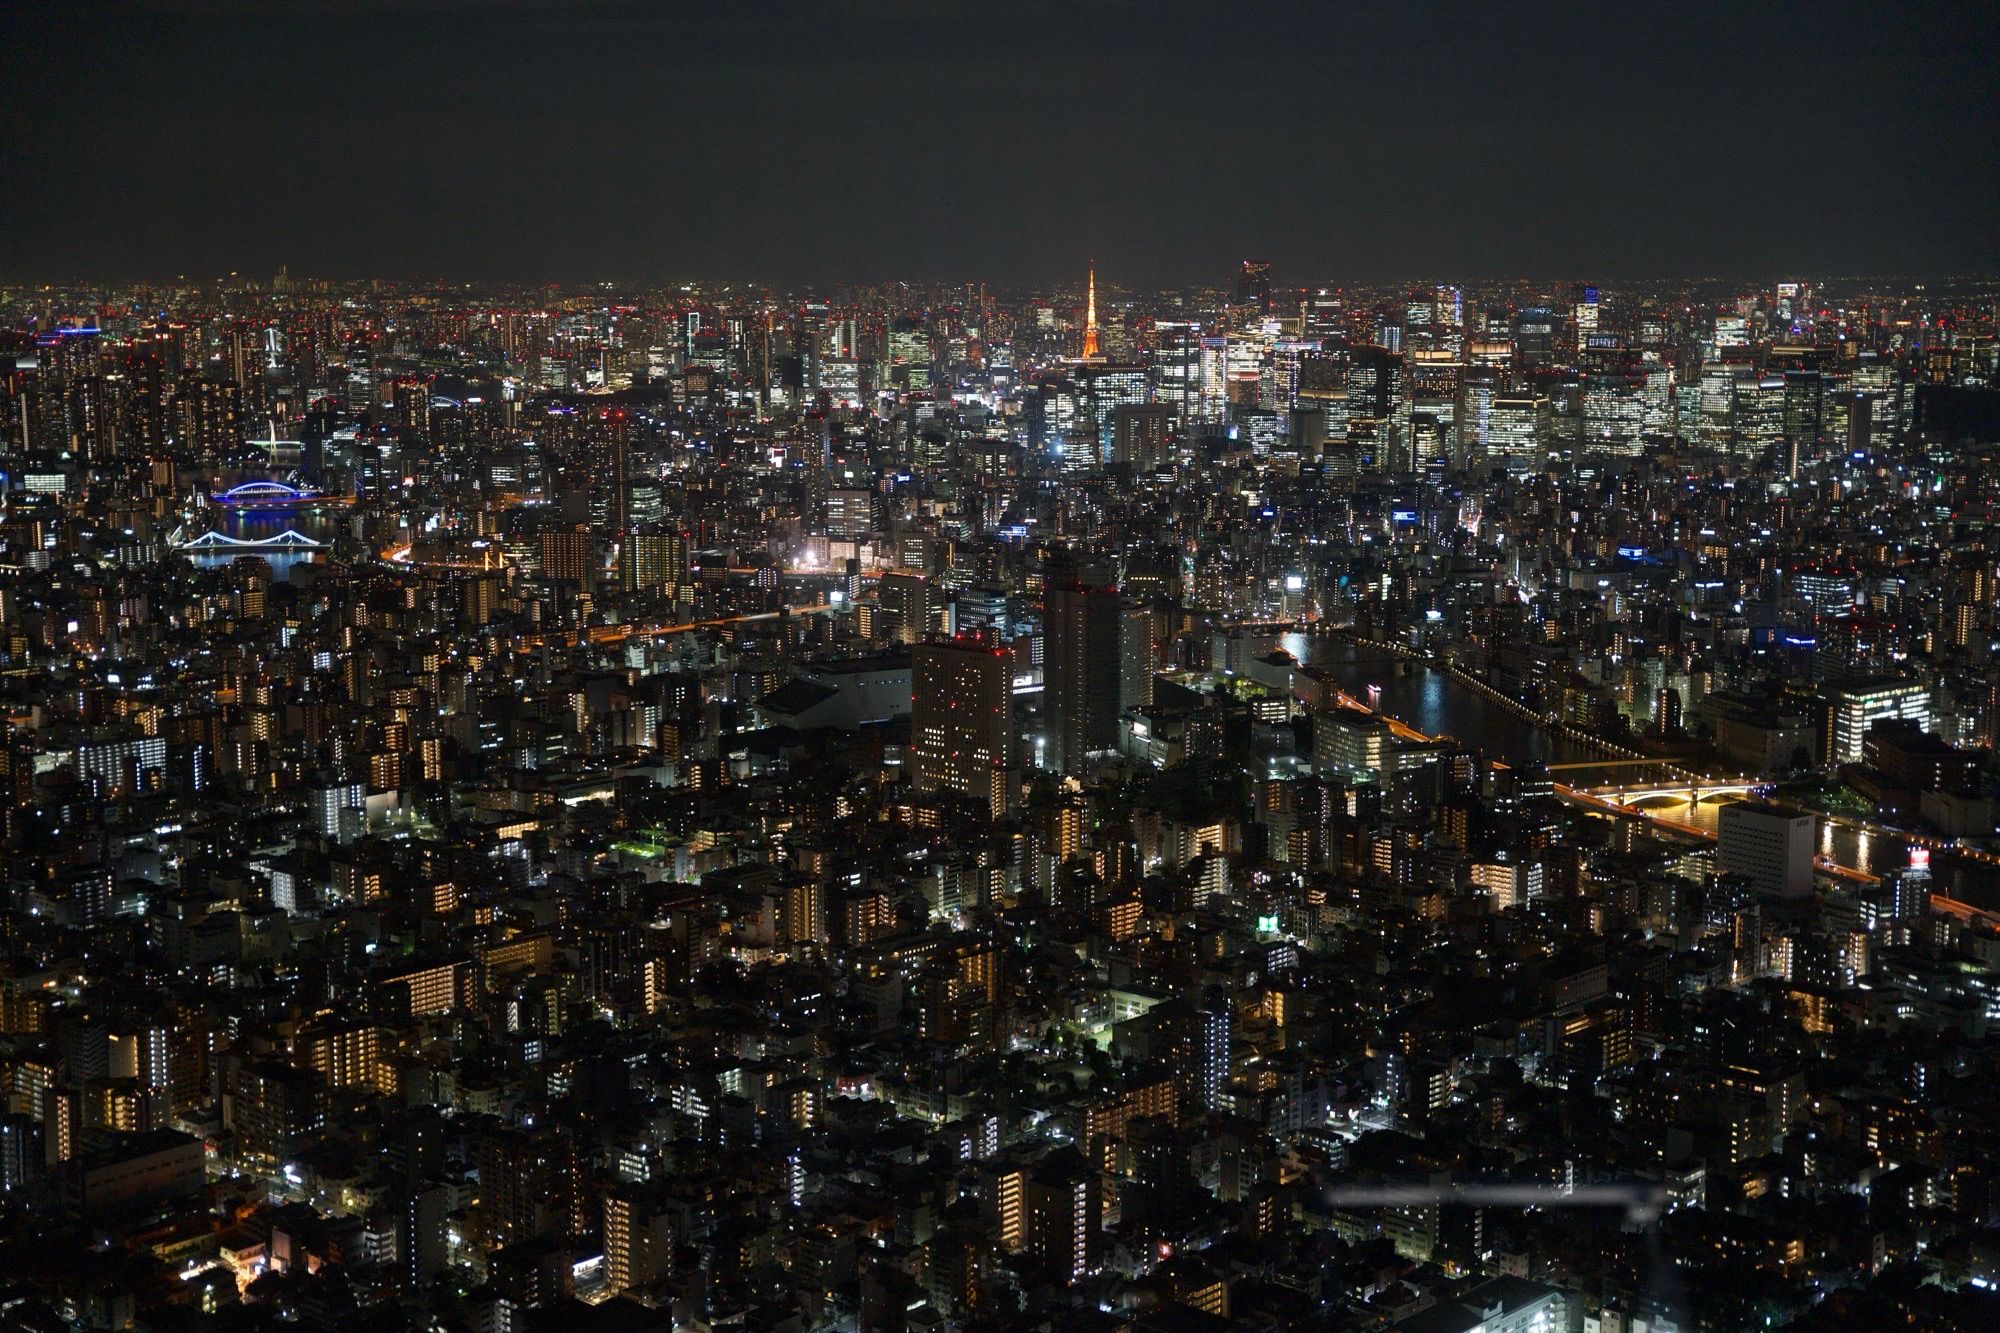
(1434, 703)
(250, 524)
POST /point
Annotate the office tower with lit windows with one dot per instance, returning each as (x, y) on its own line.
(1107, 387)
(1726, 388)
(910, 604)
(1435, 376)
(1375, 391)
(1175, 358)
(1350, 744)
(1760, 418)
(982, 610)
(1805, 419)
(1614, 414)
(809, 346)
(1253, 284)
(849, 513)
(1478, 390)
(1858, 705)
(1142, 435)
(909, 353)
(1323, 313)
(1214, 360)
(1534, 337)
(1060, 426)
(1584, 313)
(1448, 307)
(1416, 326)
(962, 720)
(1289, 358)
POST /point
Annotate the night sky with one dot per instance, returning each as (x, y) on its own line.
(836, 142)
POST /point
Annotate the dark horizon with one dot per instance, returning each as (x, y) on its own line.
(1065, 285)
(815, 144)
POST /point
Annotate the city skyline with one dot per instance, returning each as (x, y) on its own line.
(923, 666)
(933, 806)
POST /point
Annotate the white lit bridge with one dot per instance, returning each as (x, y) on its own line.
(289, 540)
(1671, 782)
(1704, 789)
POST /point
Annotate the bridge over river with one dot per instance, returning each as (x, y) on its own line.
(1427, 699)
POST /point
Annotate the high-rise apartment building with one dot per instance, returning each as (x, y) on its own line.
(566, 557)
(1064, 1204)
(962, 720)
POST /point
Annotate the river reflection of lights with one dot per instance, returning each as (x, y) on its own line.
(1841, 841)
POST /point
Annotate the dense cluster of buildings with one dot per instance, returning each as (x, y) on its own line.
(901, 808)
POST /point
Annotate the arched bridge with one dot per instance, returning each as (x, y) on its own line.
(289, 540)
(271, 494)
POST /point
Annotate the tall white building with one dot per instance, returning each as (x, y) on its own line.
(1771, 848)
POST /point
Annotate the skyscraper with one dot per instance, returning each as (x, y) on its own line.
(812, 322)
(1080, 668)
(1805, 419)
(650, 557)
(1142, 434)
(1107, 387)
(1176, 364)
(1585, 312)
(962, 719)
(1135, 655)
(909, 599)
(1253, 283)
(1374, 403)
(909, 353)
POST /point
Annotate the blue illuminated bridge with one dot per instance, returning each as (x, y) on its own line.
(272, 495)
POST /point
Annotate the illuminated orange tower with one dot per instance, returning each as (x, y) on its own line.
(1090, 318)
